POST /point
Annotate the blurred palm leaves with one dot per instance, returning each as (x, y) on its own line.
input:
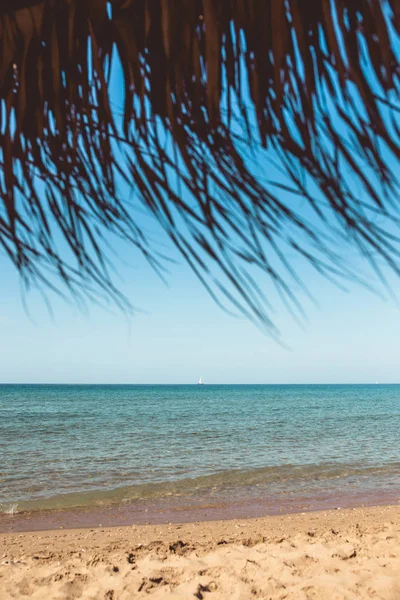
(316, 83)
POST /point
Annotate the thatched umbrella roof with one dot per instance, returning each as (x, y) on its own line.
(315, 82)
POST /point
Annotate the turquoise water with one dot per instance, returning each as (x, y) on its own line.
(66, 446)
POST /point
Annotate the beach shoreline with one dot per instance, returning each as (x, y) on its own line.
(346, 553)
(190, 509)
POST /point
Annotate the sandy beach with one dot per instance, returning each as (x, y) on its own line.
(352, 553)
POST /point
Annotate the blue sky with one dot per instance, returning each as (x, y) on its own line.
(181, 334)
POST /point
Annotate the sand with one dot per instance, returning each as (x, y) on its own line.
(332, 554)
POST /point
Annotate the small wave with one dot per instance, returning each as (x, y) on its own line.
(285, 478)
(9, 509)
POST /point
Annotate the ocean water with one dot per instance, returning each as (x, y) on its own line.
(76, 446)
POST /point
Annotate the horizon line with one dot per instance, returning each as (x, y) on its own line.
(196, 384)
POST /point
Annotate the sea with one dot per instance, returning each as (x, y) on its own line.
(179, 452)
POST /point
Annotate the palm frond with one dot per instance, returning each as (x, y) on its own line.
(315, 83)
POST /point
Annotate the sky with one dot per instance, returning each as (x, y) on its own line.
(180, 334)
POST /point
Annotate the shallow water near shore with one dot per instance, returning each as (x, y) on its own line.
(84, 447)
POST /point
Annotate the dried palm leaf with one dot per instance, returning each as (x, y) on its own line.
(317, 83)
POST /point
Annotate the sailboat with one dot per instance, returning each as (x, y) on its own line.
(200, 382)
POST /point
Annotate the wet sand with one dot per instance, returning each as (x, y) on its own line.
(189, 509)
(352, 553)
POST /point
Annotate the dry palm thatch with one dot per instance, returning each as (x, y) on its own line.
(315, 82)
